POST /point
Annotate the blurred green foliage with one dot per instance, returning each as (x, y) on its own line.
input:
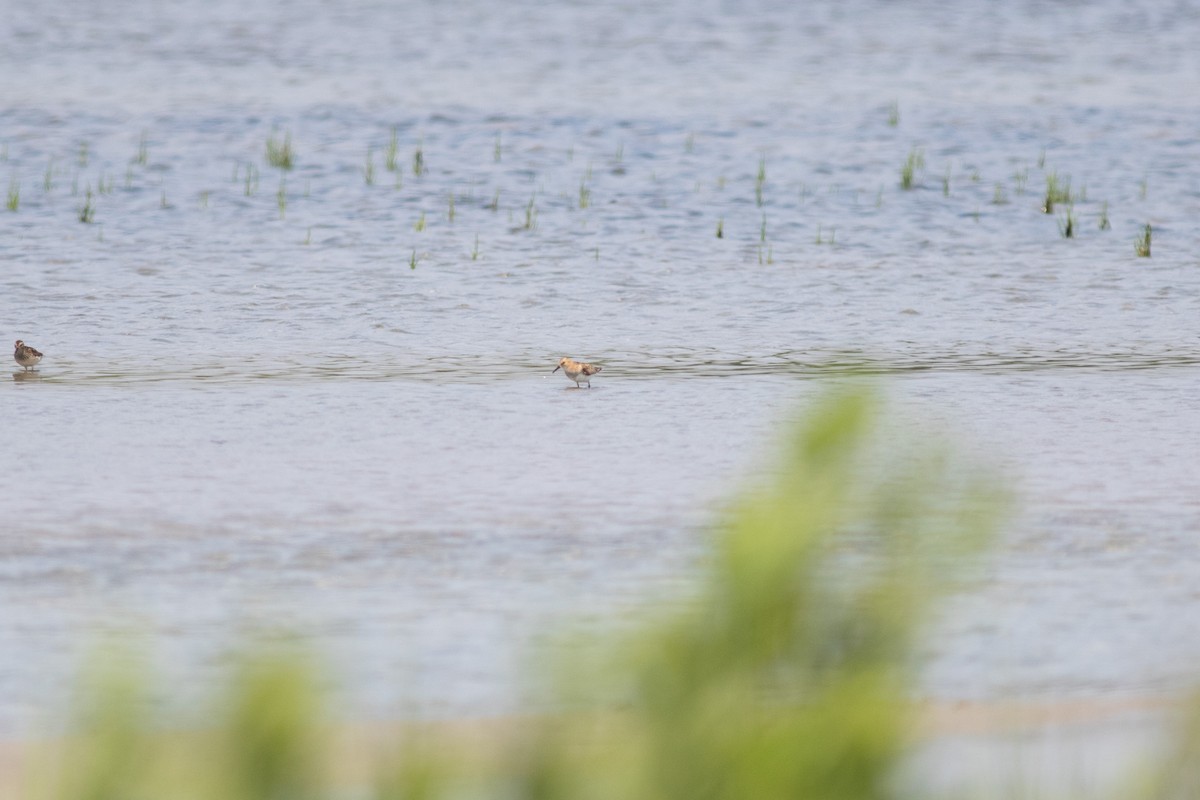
(785, 675)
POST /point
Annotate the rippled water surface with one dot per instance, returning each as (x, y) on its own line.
(319, 398)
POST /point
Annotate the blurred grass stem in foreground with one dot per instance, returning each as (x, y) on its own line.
(784, 673)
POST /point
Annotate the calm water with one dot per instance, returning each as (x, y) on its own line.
(308, 400)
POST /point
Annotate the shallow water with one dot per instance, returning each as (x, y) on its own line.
(270, 401)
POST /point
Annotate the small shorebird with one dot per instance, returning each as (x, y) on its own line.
(25, 355)
(576, 371)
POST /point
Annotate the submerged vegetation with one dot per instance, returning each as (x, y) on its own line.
(538, 172)
(279, 152)
(392, 154)
(281, 199)
(1020, 179)
(143, 151)
(418, 160)
(87, 213)
(908, 172)
(1142, 245)
(760, 180)
(1058, 190)
(369, 168)
(251, 185)
(530, 215)
(1066, 226)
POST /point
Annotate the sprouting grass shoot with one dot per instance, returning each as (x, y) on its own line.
(908, 172)
(1066, 225)
(279, 151)
(530, 215)
(88, 212)
(392, 154)
(1141, 245)
(1058, 190)
(368, 170)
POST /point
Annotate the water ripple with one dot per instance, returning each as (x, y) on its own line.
(678, 363)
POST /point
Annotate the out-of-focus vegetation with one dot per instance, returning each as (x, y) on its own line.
(784, 675)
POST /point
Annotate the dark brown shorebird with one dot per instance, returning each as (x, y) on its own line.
(576, 371)
(25, 355)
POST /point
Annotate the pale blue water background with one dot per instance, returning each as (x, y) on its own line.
(254, 420)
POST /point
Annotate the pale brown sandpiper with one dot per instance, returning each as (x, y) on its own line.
(576, 371)
(25, 355)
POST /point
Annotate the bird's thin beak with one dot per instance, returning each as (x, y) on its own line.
(556, 369)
